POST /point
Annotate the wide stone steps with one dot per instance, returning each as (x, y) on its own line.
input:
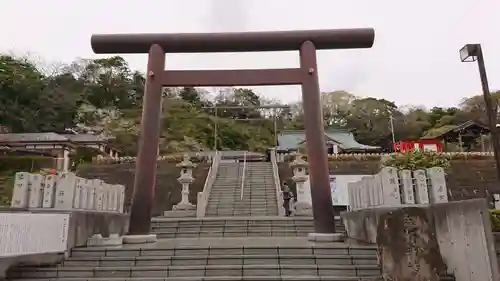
(235, 227)
(249, 259)
(205, 259)
(259, 193)
(212, 278)
(199, 271)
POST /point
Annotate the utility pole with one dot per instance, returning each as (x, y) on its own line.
(391, 120)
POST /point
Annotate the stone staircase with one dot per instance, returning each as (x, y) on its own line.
(235, 227)
(259, 192)
(266, 259)
(239, 240)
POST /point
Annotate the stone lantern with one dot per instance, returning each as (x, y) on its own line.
(302, 206)
(186, 178)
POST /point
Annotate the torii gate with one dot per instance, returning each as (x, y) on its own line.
(156, 45)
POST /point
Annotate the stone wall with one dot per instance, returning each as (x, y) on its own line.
(466, 179)
(168, 189)
(422, 242)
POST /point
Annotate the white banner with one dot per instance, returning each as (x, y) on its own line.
(338, 186)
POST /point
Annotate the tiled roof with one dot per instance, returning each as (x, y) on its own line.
(32, 137)
(84, 138)
(48, 137)
(289, 140)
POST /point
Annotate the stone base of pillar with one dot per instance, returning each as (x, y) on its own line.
(302, 209)
(179, 213)
(97, 240)
(325, 237)
(184, 207)
(139, 239)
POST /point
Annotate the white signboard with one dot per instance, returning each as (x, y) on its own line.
(32, 233)
(338, 185)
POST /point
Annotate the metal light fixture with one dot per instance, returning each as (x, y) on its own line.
(469, 52)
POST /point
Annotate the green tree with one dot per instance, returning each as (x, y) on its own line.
(110, 82)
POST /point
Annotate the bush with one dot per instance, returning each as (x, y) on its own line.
(415, 160)
(172, 158)
(495, 220)
(12, 164)
(381, 156)
(82, 155)
(9, 165)
(343, 157)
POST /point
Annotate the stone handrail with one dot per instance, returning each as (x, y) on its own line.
(201, 205)
(277, 184)
(243, 175)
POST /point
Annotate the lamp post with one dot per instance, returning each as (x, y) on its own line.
(471, 53)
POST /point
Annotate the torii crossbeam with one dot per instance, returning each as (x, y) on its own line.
(157, 45)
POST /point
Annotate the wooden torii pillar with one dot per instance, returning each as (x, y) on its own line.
(156, 45)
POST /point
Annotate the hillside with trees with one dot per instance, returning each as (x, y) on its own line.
(104, 96)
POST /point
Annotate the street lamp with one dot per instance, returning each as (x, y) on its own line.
(471, 53)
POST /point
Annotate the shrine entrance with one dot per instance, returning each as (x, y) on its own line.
(306, 75)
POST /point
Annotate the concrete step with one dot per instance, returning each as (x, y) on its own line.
(273, 259)
(232, 259)
(240, 213)
(257, 209)
(259, 204)
(238, 183)
(256, 190)
(238, 202)
(242, 203)
(199, 271)
(235, 227)
(163, 234)
(212, 278)
(254, 187)
(161, 221)
(214, 204)
(229, 278)
(261, 192)
(258, 195)
(222, 209)
(234, 182)
(237, 198)
(227, 249)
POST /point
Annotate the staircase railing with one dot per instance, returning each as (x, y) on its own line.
(243, 175)
(277, 184)
(201, 206)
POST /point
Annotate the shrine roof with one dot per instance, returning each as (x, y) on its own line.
(31, 137)
(22, 138)
(292, 140)
(453, 130)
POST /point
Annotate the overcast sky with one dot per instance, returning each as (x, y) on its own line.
(414, 60)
